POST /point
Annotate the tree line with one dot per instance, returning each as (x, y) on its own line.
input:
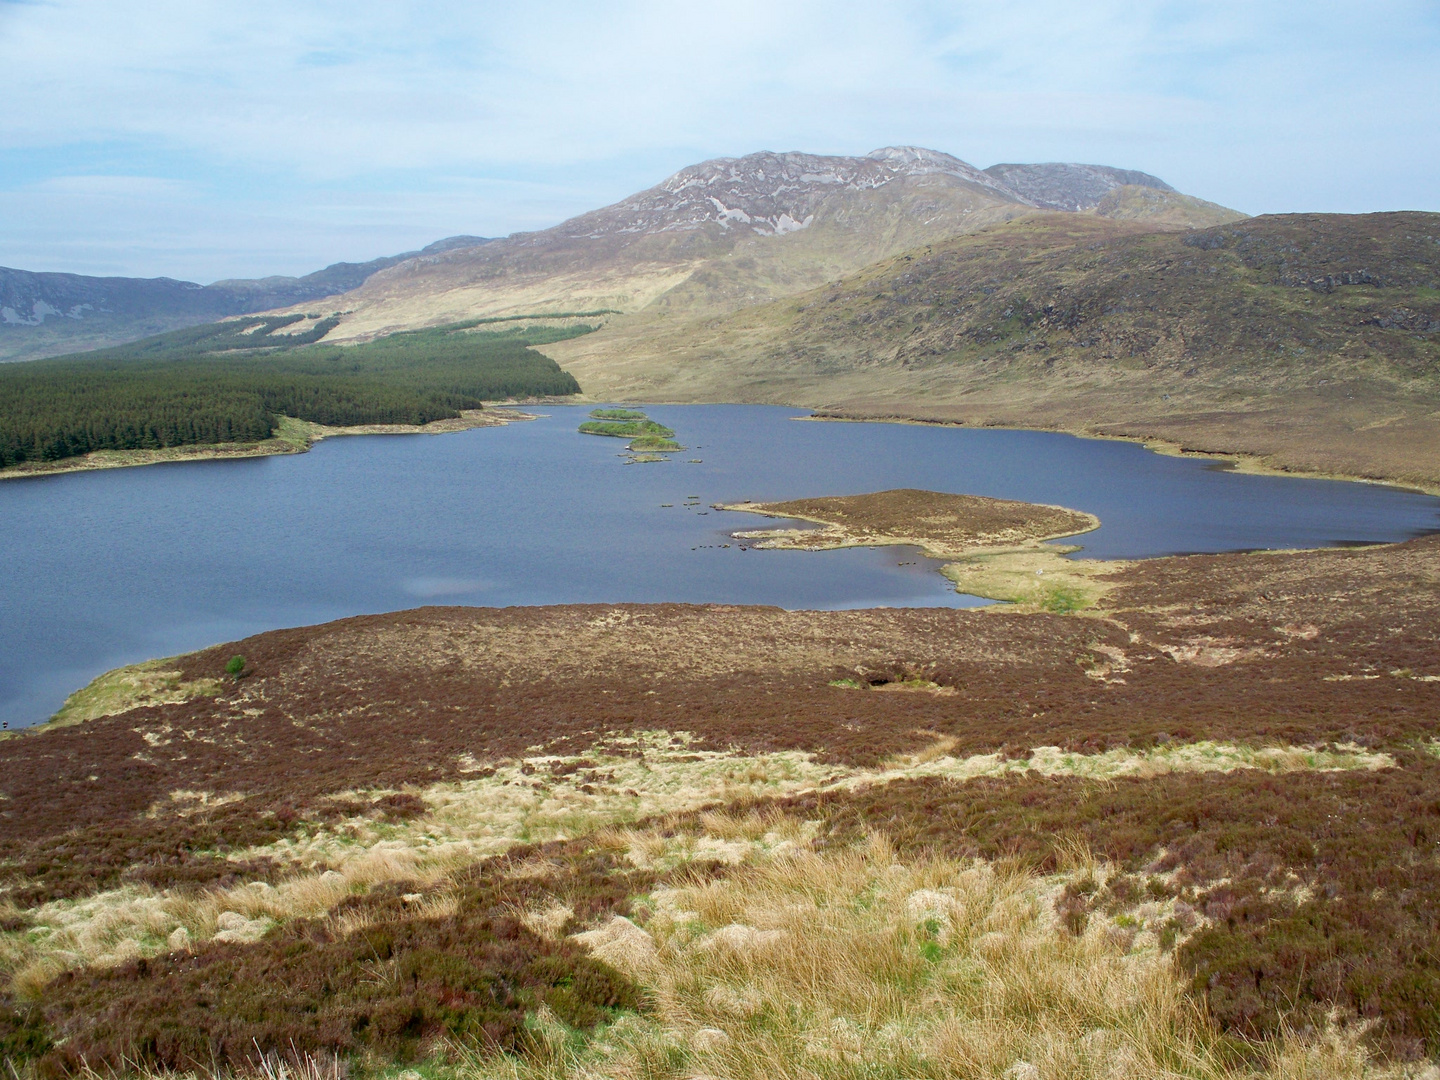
(175, 391)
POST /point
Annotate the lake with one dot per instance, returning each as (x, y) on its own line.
(110, 567)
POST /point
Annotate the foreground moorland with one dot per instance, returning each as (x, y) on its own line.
(1188, 831)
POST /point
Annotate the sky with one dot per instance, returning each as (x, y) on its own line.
(205, 140)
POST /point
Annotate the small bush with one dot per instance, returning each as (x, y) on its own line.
(22, 1033)
(235, 666)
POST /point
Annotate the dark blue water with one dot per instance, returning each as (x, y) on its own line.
(107, 568)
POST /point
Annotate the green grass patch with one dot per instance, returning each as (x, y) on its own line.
(655, 442)
(1064, 601)
(626, 429)
(618, 414)
(155, 682)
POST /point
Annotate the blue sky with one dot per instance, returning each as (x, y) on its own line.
(204, 140)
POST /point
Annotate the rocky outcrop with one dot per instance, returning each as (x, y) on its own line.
(1061, 186)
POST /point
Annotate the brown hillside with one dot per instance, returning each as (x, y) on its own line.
(1312, 340)
(1275, 835)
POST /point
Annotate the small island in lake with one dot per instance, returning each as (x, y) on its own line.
(648, 439)
(994, 547)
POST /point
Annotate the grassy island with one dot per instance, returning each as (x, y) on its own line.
(626, 429)
(649, 441)
(654, 443)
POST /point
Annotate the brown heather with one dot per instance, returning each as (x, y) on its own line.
(1278, 897)
(382, 973)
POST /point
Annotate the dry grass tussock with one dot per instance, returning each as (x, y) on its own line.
(535, 801)
(851, 963)
(474, 819)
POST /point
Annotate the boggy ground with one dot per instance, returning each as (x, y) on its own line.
(588, 837)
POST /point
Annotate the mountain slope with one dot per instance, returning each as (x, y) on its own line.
(1311, 339)
(1057, 186)
(46, 314)
(732, 232)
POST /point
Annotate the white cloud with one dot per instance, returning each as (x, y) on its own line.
(276, 111)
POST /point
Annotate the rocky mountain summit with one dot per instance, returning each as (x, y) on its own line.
(772, 194)
(1060, 186)
(731, 232)
(766, 193)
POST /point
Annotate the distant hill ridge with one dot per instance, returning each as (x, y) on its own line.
(1311, 341)
(45, 313)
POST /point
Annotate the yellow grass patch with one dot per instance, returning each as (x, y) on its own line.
(529, 802)
(1035, 578)
(853, 964)
(155, 682)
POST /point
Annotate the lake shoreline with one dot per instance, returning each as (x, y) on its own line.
(1230, 460)
(293, 442)
(154, 563)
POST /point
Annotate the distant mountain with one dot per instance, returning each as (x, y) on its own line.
(46, 314)
(731, 232)
(713, 238)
